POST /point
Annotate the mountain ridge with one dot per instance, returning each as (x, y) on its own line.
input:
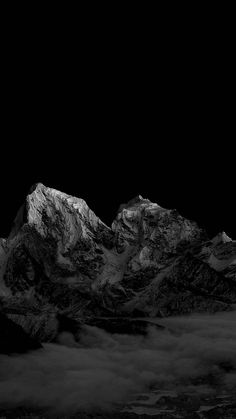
(151, 261)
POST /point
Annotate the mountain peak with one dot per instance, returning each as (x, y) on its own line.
(45, 205)
(151, 261)
(221, 237)
(35, 186)
(136, 202)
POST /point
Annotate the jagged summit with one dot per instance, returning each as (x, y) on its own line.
(221, 237)
(152, 260)
(38, 191)
(37, 185)
(137, 202)
(44, 204)
(42, 200)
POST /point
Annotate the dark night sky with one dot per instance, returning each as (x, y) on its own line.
(115, 120)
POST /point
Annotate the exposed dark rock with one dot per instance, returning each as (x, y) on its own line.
(13, 339)
(152, 261)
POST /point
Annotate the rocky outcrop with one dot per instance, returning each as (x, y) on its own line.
(13, 339)
(220, 254)
(61, 258)
(3, 260)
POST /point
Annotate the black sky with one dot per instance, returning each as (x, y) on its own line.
(107, 120)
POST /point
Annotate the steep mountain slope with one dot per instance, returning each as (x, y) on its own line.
(60, 257)
(220, 254)
(13, 338)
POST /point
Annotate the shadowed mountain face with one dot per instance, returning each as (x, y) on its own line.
(60, 257)
(13, 338)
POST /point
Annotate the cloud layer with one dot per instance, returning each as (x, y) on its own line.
(104, 370)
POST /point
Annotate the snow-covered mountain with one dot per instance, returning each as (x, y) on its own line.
(60, 257)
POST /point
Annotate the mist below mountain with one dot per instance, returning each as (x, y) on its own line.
(133, 319)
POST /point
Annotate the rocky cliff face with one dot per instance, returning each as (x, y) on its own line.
(13, 338)
(152, 261)
(220, 254)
